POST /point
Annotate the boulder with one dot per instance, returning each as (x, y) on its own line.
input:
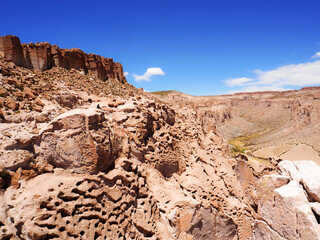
(14, 159)
(287, 212)
(76, 141)
(289, 169)
(206, 224)
(28, 93)
(67, 100)
(12, 104)
(315, 206)
(310, 177)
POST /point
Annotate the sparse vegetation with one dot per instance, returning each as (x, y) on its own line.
(240, 146)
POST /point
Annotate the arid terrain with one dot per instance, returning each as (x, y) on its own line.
(85, 155)
(262, 124)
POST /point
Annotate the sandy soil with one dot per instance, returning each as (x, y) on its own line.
(301, 152)
(272, 151)
(289, 152)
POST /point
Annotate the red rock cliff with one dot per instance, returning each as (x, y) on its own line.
(44, 56)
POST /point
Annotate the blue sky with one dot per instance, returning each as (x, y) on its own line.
(198, 47)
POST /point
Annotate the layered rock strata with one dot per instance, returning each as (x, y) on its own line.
(44, 56)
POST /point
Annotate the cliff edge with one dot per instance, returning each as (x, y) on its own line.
(44, 56)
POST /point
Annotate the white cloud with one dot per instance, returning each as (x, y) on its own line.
(296, 74)
(126, 73)
(148, 74)
(231, 82)
(282, 78)
(317, 55)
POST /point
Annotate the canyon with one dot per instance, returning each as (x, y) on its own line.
(261, 124)
(85, 155)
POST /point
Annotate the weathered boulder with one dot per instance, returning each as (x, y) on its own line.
(195, 222)
(14, 159)
(67, 100)
(315, 206)
(206, 224)
(28, 93)
(287, 212)
(12, 104)
(310, 177)
(70, 141)
(289, 169)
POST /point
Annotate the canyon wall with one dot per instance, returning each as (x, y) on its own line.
(43, 56)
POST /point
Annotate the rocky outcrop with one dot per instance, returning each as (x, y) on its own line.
(310, 178)
(78, 163)
(82, 158)
(289, 210)
(130, 169)
(11, 49)
(66, 206)
(44, 56)
(68, 142)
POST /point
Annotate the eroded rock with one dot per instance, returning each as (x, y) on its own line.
(44, 56)
(310, 177)
(287, 212)
(68, 143)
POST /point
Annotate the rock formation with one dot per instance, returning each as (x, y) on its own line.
(82, 158)
(287, 209)
(44, 56)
